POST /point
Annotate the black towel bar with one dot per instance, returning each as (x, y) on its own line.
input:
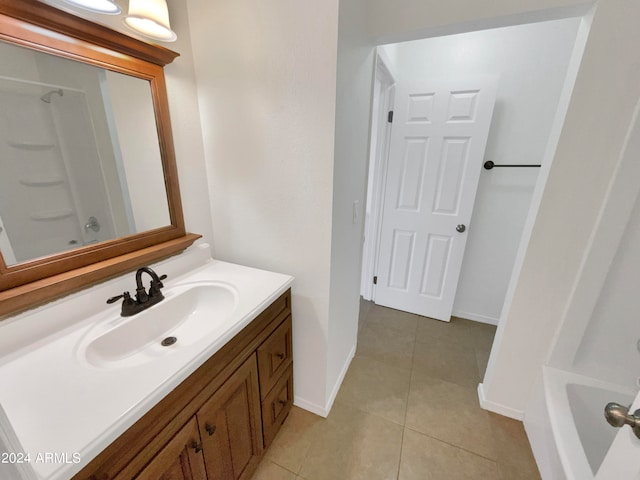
(488, 165)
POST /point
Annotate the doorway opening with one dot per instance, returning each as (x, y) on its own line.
(535, 65)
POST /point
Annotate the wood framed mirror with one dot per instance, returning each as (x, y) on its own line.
(88, 186)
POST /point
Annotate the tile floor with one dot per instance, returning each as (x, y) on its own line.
(408, 409)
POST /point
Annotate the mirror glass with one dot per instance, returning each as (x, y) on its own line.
(80, 159)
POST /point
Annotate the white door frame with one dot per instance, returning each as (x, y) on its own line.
(383, 98)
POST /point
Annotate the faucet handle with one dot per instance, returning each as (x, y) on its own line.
(156, 285)
(126, 296)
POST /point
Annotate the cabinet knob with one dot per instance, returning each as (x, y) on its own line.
(280, 356)
(282, 402)
(197, 447)
(211, 429)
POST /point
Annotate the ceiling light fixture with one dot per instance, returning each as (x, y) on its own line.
(98, 6)
(150, 18)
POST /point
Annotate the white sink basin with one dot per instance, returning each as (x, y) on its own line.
(189, 313)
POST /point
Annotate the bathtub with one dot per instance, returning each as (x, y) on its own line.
(565, 423)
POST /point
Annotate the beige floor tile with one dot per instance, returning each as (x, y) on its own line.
(354, 445)
(457, 330)
(432, 386)
(482, 359)
(447, 360)
(270, 471)
(386, 345)
(393, 319)
(449, 412)
(425, 458)
(483, 336)
(292, 443)
(365, 308)
(376, 388)
(509, 472)
(513, 451)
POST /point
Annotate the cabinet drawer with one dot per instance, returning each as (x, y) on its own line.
(275, 355)
(276, 406)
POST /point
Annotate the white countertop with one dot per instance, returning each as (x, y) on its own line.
(58, 403)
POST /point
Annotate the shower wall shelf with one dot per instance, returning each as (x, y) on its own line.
(42, 182)
(55, 215)
(32, 146)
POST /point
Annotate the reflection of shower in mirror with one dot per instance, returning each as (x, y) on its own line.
(46, 98)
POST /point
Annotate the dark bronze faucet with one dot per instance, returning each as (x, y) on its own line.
(143, 299)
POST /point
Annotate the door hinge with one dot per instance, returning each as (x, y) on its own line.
(390, 116)
(375, 280)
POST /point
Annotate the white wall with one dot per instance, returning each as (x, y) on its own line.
(187, 128)
(354, 84)
(600, 111)
(598, 336)
(403, 20)
(266, 84)
(531, 64)
(608, 350)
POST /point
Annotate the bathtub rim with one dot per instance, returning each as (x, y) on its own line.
(568, 444)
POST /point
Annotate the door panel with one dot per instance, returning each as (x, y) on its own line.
(401, 255)
(434, 272)
(230, 426)
(438, 139)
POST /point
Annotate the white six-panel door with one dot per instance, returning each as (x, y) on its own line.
(438, 139)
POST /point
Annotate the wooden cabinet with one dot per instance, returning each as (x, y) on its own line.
(180, 459)
(230, 426)
(217, 423)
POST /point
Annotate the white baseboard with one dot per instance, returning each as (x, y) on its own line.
(324, 411)
(476, 317)
(497, 407)
(343, 372)
(310, 406)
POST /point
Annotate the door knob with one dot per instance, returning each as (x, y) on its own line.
(618, 416)
(461, 228)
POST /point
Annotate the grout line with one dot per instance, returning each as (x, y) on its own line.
(406, 405)
(400, 456)
(281, 466)
(454, 445)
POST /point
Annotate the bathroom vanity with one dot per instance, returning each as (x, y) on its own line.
(216, 423)
(102, 391)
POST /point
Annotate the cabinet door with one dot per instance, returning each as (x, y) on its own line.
(230, 426)
(180, 459)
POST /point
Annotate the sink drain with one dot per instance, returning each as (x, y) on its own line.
(168, 341)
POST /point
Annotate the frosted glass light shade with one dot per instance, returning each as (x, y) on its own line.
(150, 18)
(99, 6)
